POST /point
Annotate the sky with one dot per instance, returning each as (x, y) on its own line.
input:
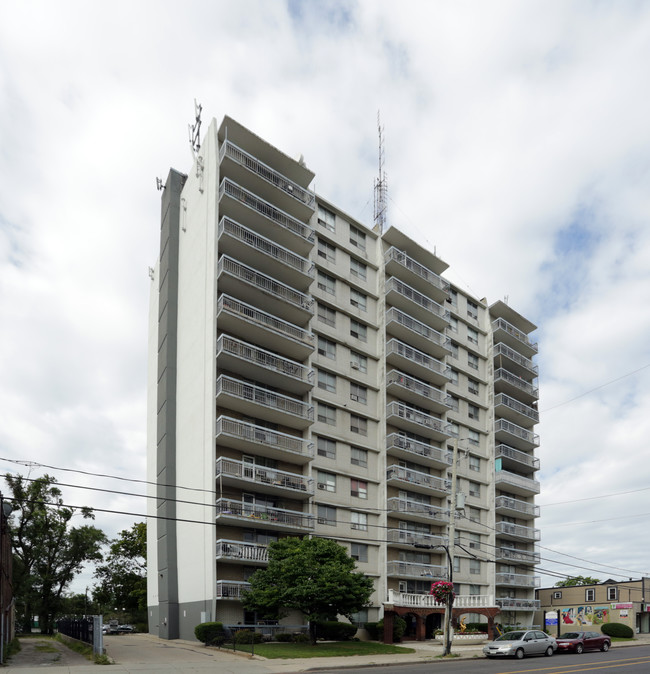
(517, 147)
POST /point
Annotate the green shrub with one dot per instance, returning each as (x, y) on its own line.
(284, 636)
(373, 632)
(248, 637)
(209, 633)
(333, 630)
(301, 638)
(399, 627)
(617, 630)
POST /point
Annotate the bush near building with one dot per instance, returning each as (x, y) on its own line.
(617, 630)
(211, 634)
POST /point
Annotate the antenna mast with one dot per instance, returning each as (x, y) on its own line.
(381, 184)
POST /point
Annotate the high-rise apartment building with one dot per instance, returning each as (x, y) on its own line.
(309, 376)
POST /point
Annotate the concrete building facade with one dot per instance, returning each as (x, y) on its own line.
(310, 376)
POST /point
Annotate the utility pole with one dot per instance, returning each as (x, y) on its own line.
(450, 548)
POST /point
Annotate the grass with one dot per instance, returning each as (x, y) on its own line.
(84, 649)
(46, 648)
(328, 649)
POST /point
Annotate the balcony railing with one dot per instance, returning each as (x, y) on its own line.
(523, 458)
(395, 255)
(514, 480)
(394, 284)
(408, 506)
(242, 552)
(264, 283)
(516, 406)
(278, 253)
(266, 209)
(415, 538)
(502, 324)
(267, 359)
(396, 598)
(417, 387)
(501, 374)
(267, 515)
(418, 478)
(523, 556)
(262, 396)
(419, 449)
(502, 349)
(518, 530)
(517, 431)
(255, 316)
(413, 570)
(426, 421)
(395, 346)
(262, 475)
(231, 589)
(263, 436)
(517, 580)
(509, 604)
(514, 504)
(283, 183)
(394, 315)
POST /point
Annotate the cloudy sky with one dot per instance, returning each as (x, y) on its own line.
(517, 145)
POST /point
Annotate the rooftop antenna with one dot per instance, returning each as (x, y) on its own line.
(195, 142)
(381, 184)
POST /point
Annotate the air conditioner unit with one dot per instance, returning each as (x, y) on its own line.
(354, 366)
(402, 586)
(353, 397)
(322, 485)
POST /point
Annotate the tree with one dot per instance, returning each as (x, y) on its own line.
(315, 576)
(577, 580)
(123, 576)
(48, 551)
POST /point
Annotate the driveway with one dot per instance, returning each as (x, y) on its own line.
(42, 652)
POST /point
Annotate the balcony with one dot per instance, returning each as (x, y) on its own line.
(517, 580)
(412, 420)
(415, 391)
(412, 450)
(242, 553)
(508, 604)
(240, 318)
(247, 437)
(252, 362)
(264, 217)
(417, 363)
(513, 361)
(516, 484)
(267, 182)
(247, 476)
(513, 459)
(416, 304)
(519, 556)
(399, 264)
(515, 411)
(261, 403)
(509, 383)
(409, 509)
(517, 532)
(249, 285)
(264, 254)
(507, 333)
(517, 436)
(403, 538)
(512, 507)
(417, 481)
(231, 589)
(413, 570)
(255, 516)
(467, 601)
(416, 333)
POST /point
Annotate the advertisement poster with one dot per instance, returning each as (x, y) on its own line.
(583, 616)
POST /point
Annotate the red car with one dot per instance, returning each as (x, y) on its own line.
(576, 642)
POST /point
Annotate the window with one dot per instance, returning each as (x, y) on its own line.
(453, 376)
(327, 348)
(453, 347)
(474, 463)
(472, 360)
(474, 437)
(326, 481)
(612, 593)
(359, 457)
(453, 324)
(359, 488)
(557, 595)
(472, 309)
(474, 489)
(327, 414)
(358, 424)
(327, 381)
(326, 447)
(326, 218)
(358, 269)
(474, 515)
(474, 589)
(359, 551)
(472, 411)
(359, 393)
(472, 386)
(590, 595)
(357, 238)
(474, 566)
(358, 330)
(326, 515)
(326, 283)
(359, 521)
(326, 315)
(472, 335)
(358, 361)
(454, 429)
(454, 403)
(359, 618)
(326, 250)
(453, 297)
(474, 541)
(358, 300)
(456, 564)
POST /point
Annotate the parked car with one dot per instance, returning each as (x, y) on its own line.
(519, 643)
(576, 642)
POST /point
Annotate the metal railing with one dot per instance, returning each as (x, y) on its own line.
(418, 477)
(261, 474)
(397, 409)
(517, 505)
(244, 552)
(399, 256)
(510, 604)
(394, 284)
(264, 436)
(414, 570)
(416, 356)
(501, 374)
(502, 324)
(419, 387)
(394, 315)
(231, 589)
(502, 349)
(524, 556)
(517, 579)
(418, 448)
(516, 406)
(516, 430)
(506, 477)
(416, 538)
(408, 506)
(524, 458)
(266, 514)
(518, 530)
